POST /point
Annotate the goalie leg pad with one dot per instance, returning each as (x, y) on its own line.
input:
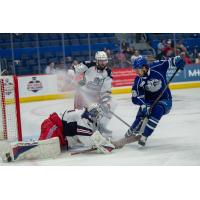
(43, 149)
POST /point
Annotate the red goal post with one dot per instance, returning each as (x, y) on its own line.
(10, 118)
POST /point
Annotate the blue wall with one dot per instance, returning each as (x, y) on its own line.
(190, 73)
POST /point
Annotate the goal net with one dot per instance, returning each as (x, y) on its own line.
(10, 121)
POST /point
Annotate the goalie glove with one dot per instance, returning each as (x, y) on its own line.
(101, 143)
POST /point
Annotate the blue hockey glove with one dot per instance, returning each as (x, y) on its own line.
(179, 62)
(145, 109)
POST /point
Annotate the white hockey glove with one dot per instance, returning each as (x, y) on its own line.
(101, 143)
(80, 68)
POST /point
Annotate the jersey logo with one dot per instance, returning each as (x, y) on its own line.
(153, 85)
(95, 84)
(98, 81)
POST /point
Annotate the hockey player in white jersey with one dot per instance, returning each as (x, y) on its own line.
(96, 87)
(76, 128)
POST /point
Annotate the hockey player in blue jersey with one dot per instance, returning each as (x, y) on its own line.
(148, 85)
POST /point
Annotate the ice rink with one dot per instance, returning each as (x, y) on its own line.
(176, 140)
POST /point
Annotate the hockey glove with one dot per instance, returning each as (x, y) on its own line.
(101, 143)
(179, 62)
(145, 109)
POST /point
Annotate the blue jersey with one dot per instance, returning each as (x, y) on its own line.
(146, 89)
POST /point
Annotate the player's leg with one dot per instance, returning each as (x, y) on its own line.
(135, 127)
(79, 101)
(107, 116)
(162, 108)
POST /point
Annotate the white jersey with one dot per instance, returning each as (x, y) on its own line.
(75, 123)
(94, 81)
(76, 126)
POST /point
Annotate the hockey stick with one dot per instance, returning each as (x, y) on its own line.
(82, 151)
(120, 119)
(123, 141)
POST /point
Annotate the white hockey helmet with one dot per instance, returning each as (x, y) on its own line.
(101, 55)
(101, 59)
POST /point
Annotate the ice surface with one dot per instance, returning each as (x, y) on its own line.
(176, 140)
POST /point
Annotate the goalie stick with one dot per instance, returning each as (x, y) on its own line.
(82, 151)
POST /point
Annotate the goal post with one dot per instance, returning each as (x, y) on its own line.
(10, 118)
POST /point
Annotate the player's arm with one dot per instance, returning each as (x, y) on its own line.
(80, 68)
(138, 95)
(160, 65)
(83, 67)
(163, 65)
(105, 94)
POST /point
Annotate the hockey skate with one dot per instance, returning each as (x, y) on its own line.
(135, 131)
(142, 140)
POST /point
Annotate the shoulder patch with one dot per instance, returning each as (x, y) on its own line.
(109, 71)
(89, 63)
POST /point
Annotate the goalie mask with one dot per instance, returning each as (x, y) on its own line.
(93, 112)
(101, 59)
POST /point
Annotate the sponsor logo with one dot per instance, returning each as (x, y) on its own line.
(195, 72)
(34, 85)
(9, 87)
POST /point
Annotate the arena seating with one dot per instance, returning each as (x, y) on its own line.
(50, 47)
(189, 40)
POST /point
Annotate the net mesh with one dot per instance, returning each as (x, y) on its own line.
(8, 109)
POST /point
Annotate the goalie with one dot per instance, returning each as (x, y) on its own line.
(95, 87)
(65, 133)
